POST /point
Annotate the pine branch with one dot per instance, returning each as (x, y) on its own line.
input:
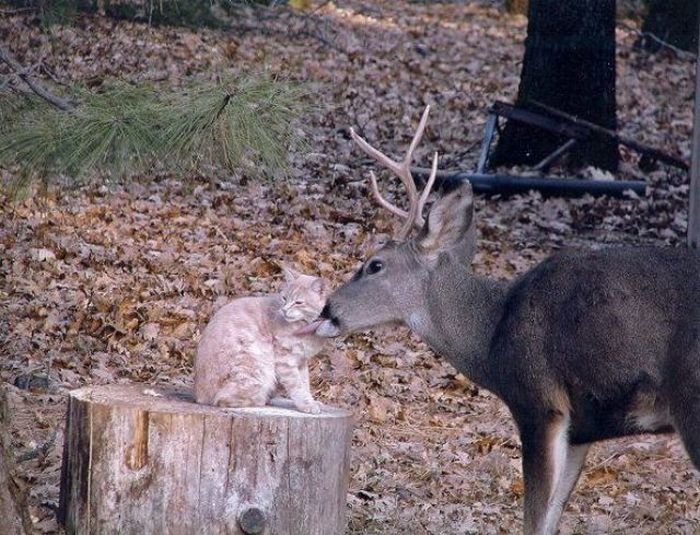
(246, 124)
(34, 84)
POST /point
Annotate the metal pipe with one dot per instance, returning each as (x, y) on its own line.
(549, 187)
(491, 123)
(556, 154)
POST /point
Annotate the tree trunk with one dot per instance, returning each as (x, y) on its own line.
(11, 520)
(143, 460)
(569, 64)
(673, 21)
(694, 193)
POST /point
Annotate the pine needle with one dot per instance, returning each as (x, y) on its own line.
(246, 125)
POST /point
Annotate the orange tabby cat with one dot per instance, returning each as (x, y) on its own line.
(252, 346)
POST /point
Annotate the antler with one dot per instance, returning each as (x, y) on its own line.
(414, 216)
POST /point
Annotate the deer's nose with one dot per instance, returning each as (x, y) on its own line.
(326, 312)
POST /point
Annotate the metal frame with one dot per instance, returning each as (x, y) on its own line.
(576, 130)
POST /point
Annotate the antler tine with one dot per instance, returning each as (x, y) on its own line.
(374, 153)
(426, 191)
(417, 136)
(382, 201)
(415, 205)
(413, 217)
(396, 167)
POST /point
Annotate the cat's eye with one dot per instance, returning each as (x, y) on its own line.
(375, 266)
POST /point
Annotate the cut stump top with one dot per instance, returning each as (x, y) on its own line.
(179, 400)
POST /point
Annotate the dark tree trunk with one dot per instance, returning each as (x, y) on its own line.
(569, 64)
(673, 21)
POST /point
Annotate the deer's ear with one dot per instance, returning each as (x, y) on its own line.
(449, 226)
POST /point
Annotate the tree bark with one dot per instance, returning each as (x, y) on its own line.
(569, 64)
(693, 237)
(672, 21)
(12, 521)
(141, 460)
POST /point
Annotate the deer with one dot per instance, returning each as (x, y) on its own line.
(588, 345)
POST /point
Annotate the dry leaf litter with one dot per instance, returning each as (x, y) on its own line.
(114, 283)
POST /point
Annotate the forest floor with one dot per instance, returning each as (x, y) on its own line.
(115, 282)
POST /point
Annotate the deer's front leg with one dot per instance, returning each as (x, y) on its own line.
(551, 467)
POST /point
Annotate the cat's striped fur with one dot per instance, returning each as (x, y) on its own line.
(251, 347)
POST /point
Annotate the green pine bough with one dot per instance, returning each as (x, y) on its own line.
(242, 125)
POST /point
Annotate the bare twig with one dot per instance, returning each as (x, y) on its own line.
(34, 84)
(681, 53)
(16, 11)
(320, 7)
(5, 84)
(48, 72)
(322, 39)
(307, 20)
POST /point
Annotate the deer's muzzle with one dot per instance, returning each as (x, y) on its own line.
(329, 325)
(325, 326)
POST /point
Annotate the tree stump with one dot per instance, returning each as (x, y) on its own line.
(13, 517)
(140, 459)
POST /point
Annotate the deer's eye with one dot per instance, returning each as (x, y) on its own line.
(375, 266)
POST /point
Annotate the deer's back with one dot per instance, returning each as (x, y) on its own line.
(599, 325)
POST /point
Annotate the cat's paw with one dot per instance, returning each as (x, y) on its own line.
(310, 407)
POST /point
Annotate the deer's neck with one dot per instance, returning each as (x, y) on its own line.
(459, 318)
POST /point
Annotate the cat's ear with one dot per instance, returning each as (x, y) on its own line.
(289, 274)
(318, 286)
